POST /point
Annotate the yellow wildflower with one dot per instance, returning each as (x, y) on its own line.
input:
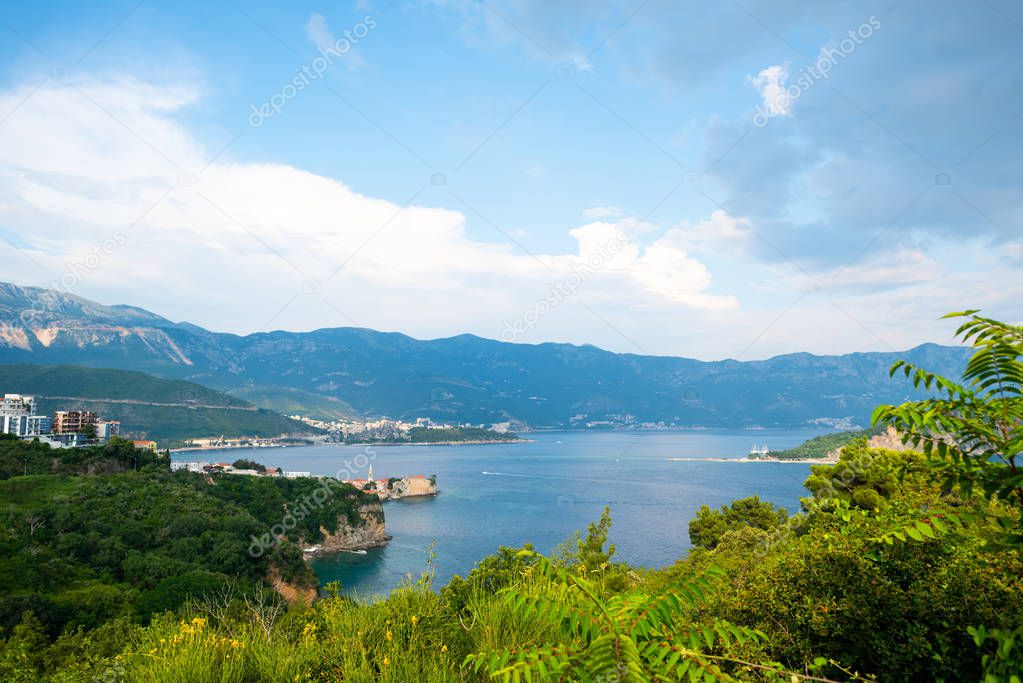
(387, 661)
(389, 635)
(443, 648)
(414, 620)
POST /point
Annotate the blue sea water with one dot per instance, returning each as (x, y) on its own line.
(541, 491)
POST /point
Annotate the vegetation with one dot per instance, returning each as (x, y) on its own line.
(243, 464)
(972, 433)
(445, 435)
(429, 435)
(22, 458)
(899, 566)
(131, 540)
(150, 407)
(293, 401)
(72, 380)
(710, 527)
(819, 446)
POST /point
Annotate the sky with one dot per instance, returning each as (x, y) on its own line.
(735, 179)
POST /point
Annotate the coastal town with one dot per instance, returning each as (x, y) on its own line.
(63, 429)
(422, 430)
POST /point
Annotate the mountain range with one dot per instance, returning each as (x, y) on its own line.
(338, 371)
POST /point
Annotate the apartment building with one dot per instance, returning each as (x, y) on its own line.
(15, 411)
(107, 428)
(73, 421)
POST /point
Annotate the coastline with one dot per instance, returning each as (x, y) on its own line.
(808, 461)
(476, 442)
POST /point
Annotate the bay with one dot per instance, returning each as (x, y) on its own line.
(541, 491)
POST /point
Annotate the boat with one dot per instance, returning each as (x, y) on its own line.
(758, 450)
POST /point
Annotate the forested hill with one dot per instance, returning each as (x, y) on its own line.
(108, 535)
(459, 379)
(70, 380)
(148, 407)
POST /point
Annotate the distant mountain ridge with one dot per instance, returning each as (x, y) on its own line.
(463, 378)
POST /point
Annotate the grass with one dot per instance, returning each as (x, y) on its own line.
(34, 490)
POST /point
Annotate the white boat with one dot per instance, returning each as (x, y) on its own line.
(759, 450)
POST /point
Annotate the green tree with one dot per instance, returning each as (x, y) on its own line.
(863, 477)
(709, 526)
(243, 464)
(972, 432)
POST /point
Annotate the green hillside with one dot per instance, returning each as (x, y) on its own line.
(73, 380)
(293, 401)
(114, 536)
(164, 410)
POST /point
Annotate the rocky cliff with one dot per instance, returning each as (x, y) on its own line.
(372, 532)
(889, 440)
(407, 487)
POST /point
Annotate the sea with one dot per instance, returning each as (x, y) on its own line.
(541, 491)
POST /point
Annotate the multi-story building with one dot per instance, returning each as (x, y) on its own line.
(73, 421)
(107, 428)
(39, 425)
(15, 410)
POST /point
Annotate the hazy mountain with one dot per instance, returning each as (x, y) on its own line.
(460, 378)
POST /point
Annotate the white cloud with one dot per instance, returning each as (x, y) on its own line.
(319, 33)
(770, 83)
(721, 230)
(235, 249)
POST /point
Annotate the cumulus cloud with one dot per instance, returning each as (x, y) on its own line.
(230, 245)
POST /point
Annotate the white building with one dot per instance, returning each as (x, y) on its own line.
(189, 466)
(107, 428)
(39, 425)
(15, 410)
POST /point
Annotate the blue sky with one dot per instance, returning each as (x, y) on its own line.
(466, 167)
